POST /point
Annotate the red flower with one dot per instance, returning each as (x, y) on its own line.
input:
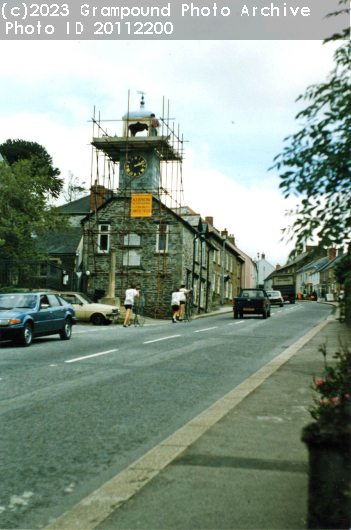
(325, 402)
(320, 382)
(335, 400)
(347, 396)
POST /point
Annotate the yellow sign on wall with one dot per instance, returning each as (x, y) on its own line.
(141, 205)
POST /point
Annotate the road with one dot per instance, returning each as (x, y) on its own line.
(76, 413)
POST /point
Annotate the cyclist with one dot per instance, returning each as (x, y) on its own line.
(128, 303)
(184, 292)
(175, 303)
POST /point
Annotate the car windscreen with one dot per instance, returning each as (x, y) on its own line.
(85, 298)
(12, 301)
(252, 294)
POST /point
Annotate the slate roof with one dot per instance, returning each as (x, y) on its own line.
(79, 207)
(62, 243)
(331, 263)
(316, 264)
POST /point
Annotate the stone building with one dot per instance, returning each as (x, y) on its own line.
(157, 253)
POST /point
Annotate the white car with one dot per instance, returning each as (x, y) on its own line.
(275, 297)
(89, 311)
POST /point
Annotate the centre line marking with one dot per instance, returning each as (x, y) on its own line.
(89, 356)
(164, 338)
(207, 329)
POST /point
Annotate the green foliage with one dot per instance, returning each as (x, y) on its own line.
(332, 409)
(317, 159)
(24, 210)
(15, 150)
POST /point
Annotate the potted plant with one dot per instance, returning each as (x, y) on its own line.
(328, 440)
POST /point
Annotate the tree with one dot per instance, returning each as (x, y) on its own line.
(318, 159)
(24, 210)
(73, 189)
(15, 150)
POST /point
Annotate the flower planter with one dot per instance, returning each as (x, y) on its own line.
(329, 495)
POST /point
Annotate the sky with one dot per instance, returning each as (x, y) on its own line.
(234, 101)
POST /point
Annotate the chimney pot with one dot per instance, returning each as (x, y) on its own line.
(209, 220)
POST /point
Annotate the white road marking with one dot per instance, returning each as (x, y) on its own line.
(207, 329)
(89, 356)
(164, 338)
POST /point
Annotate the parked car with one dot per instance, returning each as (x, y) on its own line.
(250, 302)
(275, 298)
(89, 311)
(24, 316)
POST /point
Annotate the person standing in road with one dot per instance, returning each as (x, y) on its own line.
(128, 303)
(175, 303)
(183, 296)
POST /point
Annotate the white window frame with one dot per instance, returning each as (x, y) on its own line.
(214, 283)
(158, 240)
(219, 257)
(227, 262)
(226, 289)
(104, 233)
(196, 249)
(231, 291)
(202, 293)
(231, 264)
(219, 284)
(203, 250)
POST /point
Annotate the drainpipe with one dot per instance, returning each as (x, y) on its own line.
(193, 276)
(208, 277)
(198, 311)
(223, 256)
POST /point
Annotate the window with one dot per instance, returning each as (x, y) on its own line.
(162, 239)
(104, 238)
(202, 290)
(219, 257)
(231, 264)
(231, 291)
(214, 282)
(203, 249)
(196, 245)
(226, 289)
(215, 252)
(195, 291)
(53, 300)
(219, 284)
(227, 262)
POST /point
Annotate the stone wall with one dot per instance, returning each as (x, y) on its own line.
(155, 273)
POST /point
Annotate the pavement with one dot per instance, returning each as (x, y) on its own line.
(238, 465)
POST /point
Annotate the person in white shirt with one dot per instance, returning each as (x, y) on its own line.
(175, 303)
(128, 303)
(183, 292)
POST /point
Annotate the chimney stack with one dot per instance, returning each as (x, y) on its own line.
(277, 266)
(231, 239)
(310, 247)
(263, 255)
(209, 220)
(331, 253)
(224, 233)
(97, 196)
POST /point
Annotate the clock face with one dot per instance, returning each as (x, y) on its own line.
(135, 166)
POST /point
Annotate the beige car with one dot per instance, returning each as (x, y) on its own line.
(98, 314)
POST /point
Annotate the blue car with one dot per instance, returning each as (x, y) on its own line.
(24, 316)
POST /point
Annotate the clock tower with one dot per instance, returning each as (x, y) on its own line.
(139, 151)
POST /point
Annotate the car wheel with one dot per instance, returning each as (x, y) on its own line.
(265, 315)
(26, 336)
(241, 315)
(66, 333)
(98, 319)
(108, 322)
(269, 313)
(281, 305)
(236, 314)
